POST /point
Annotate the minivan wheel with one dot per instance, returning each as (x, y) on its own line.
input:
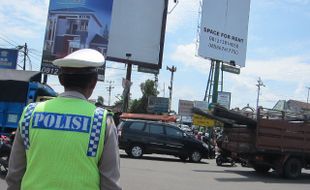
(136, 151)
(195, 156)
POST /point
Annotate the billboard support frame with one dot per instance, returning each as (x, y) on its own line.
(216, 80)
(128, 78)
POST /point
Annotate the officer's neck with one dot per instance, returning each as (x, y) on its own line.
(85, 92)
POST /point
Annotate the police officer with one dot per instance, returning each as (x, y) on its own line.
(67, 143)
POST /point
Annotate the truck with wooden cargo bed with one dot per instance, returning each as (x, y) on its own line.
(272, 139)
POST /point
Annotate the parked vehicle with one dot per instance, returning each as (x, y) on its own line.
(275, 140)
(186, 129)
(19, 88)
(6, 142)
(138, 137)
(225, 156)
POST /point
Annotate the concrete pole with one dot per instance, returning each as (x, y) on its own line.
(172, 70)
(259, 84)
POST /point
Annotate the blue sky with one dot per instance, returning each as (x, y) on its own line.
(278, 51)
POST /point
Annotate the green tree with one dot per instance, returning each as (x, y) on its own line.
(148, 89)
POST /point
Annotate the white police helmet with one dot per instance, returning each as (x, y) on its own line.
(80, 59)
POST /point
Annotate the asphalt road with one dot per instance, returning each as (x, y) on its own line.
(157, 172)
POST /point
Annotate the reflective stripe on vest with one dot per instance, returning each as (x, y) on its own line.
(25, 124)
(95, 132)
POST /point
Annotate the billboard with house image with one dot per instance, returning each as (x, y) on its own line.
(73, 25)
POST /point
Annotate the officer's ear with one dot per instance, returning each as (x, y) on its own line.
(94, 81)
(61, 80)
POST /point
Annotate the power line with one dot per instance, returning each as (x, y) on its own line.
(35, 52)
(115, 68)
(8, 41)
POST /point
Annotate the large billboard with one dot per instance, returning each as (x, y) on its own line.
(224, 30)
(8, 58)
(137, 32)
(73, 25)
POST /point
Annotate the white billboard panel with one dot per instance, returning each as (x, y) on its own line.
(224, 30)
(137, 32)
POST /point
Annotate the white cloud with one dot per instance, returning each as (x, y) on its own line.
(291, 72)
(23, 18)
(286, 69)
(182, 15)
(292, 69)
(185, 54)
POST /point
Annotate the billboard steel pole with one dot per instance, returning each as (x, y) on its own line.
(216, 81)
(128, 79)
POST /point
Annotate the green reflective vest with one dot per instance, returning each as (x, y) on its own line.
(64, 140)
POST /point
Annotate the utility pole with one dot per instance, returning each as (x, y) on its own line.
(308, 94)
(109, 88)
(25, 52)
(25, 55)
(259, 84)
(172, 70)
(164, 90)
(156, 81)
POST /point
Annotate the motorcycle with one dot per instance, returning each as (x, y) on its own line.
(6, 142)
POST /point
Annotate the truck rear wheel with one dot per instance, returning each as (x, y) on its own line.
(259, 168)
(292, 168)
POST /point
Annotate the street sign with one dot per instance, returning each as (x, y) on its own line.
(224, 99)
(203, 105)
(158, 104)
(8, 58)
(147, 70)
(185, 107)
(230, 69)
(203, 121)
